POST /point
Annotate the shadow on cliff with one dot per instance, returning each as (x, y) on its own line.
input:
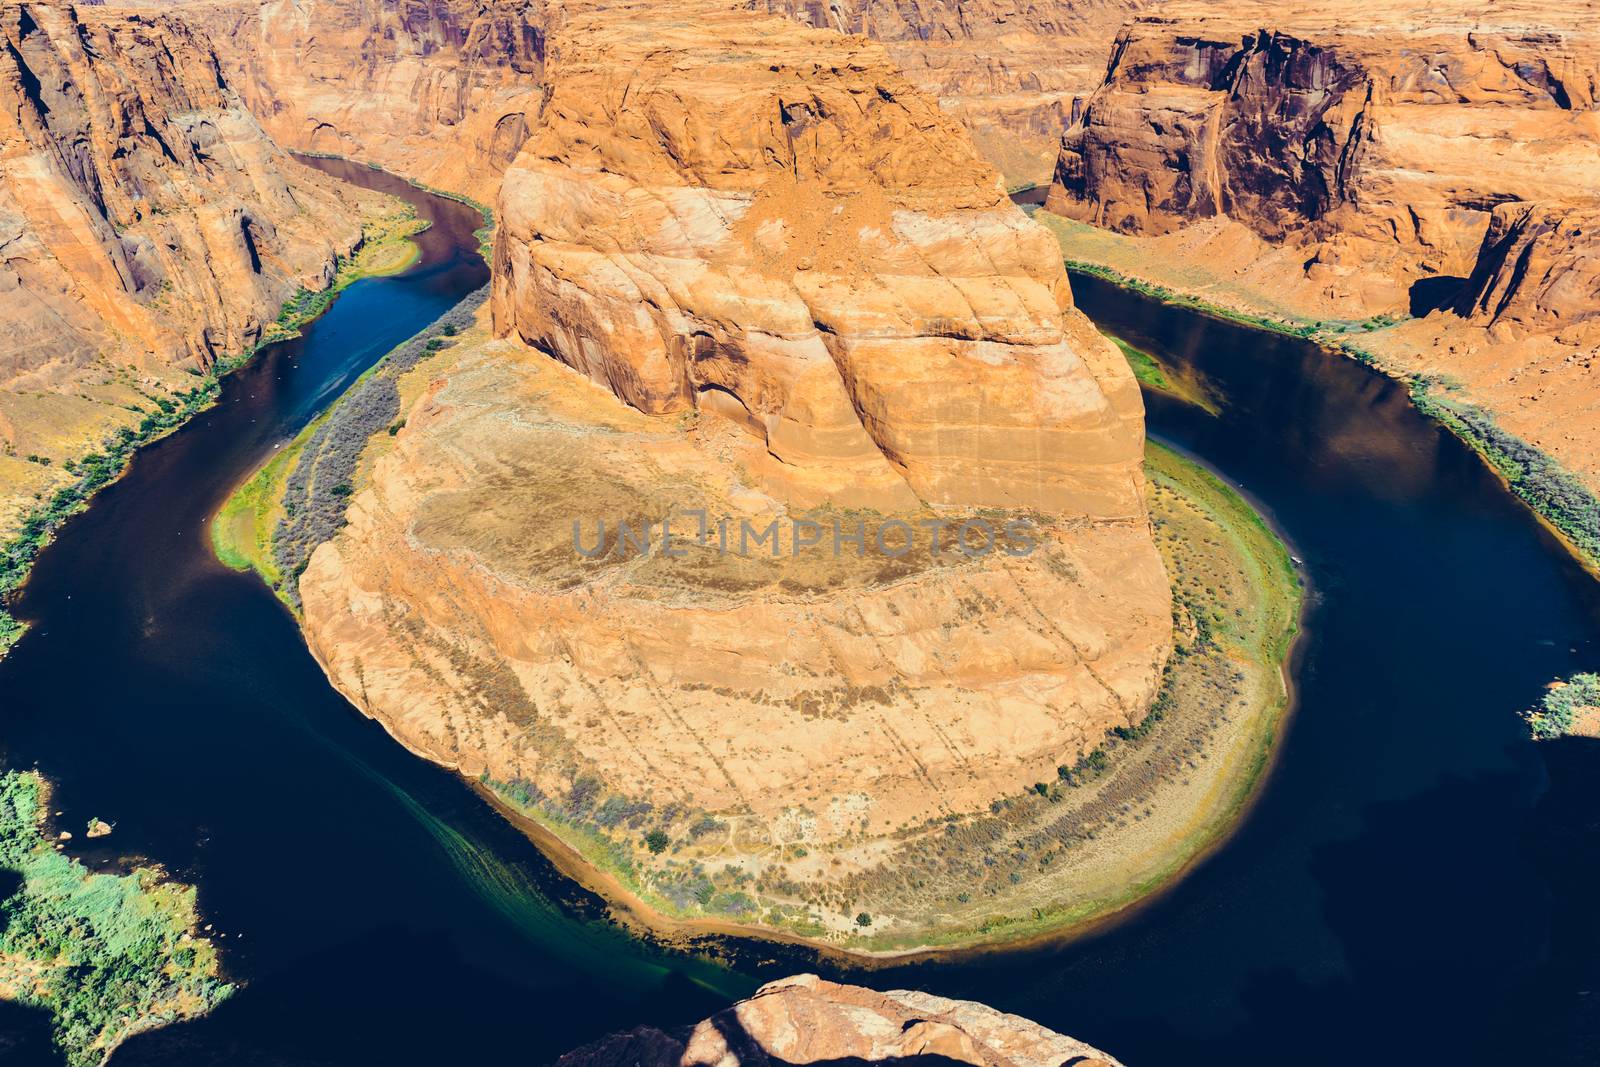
(1433, 294)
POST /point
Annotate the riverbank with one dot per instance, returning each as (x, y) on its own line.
(1096, 838)
(108, 956)
(1560, 498)
(386, 249)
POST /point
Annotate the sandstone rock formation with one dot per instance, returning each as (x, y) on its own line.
(392, 83)
(1012, 72)
(146, 222)
(1376, 136)
(803, 239)
(807, 1020)
(1537, 270)
(1332, 162)
(145, 213)
(443, 92)
(744, 270)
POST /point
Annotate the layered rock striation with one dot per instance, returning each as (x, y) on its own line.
(444, 91)
(747, 277)
(1378, 137)
(146, 217)
(808, 1020)
(802, 239)
(1425, 171)
(147, 226)
(1013, 73)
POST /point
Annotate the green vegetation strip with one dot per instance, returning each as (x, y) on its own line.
(1554, 493)
(1551, 490)
(378, 255)
(106, 955)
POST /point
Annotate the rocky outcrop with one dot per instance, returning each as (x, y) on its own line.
(1538, 269)
(804, 240)
(392, 82)
(1377, 137)
(443, 91)
(747, 278)
(807, 1020)
(147, 226)
(1013, 73)
(144, 216)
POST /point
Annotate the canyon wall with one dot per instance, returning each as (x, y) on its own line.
(443, 91)
(745, 271)
(807, 1020)
(147, 224)
(1377, 137)
(1425, 172)
(147, 217)
(389, 82)
(1011, 72)
(817, 247)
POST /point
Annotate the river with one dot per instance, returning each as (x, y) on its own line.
(1413, 884)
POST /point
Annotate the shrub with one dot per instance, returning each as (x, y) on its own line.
(656, 841)
(1557, 712)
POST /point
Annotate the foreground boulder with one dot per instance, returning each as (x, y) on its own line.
(808, 1020)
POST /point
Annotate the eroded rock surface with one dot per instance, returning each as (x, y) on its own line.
(807, 1020)
(146, 224)
(1377, 136)
(1013, 73)
(1432, 163)
(444, 91)
(745, 269)
(145, 213)
(744, 214)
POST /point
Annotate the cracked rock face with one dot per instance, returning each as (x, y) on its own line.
(1013, 73)
(144, 215)
(808, 1020)
(444, 92)
(745, 215)
(1379, 136)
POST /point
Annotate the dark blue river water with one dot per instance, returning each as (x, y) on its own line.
(1414, 886)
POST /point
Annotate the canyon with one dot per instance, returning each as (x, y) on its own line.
(442, 92)
(148, 229)
(389, 82)
(1424, 172)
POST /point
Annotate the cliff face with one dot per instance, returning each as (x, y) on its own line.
(146, 222)
(813, 245)
(778, 288)
(1538, 270)
(1011, 72)
(444, 91)
(392, 82)
(807, 1020)
(1379, 137)
(145, 214)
